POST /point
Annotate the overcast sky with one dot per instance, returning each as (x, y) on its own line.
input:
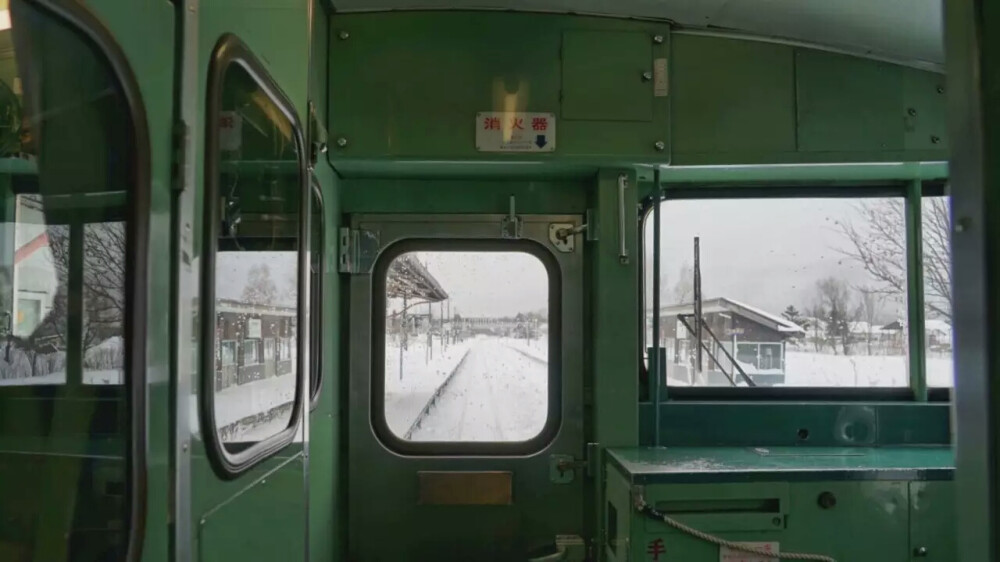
(233, 270)
(766, 252)
(493, 284)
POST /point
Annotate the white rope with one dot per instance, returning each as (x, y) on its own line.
(643, 507)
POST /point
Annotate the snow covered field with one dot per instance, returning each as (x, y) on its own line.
(809, 369)
(537, 348)
(98, 376)
(822, 369)
(498, 394)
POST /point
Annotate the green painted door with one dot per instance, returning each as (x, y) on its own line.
(239, 229)
(465, 401)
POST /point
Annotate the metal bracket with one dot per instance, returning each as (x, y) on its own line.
(358, 250)
(510, 226)
(563, 468)
(563, 236)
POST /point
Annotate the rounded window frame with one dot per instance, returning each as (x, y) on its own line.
(228, 51)
(553, 421)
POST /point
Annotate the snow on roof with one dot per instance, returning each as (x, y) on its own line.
(726, 304)
(407, 277)
(936, 325)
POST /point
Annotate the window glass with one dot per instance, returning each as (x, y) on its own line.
(466, 346)
(256, 265)
(936, 213)
(103, 302)
(68, 172)
(794, 292)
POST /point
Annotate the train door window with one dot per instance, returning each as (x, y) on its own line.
(254, 200)
(73, 194)
(467, 345)
(936, 234)
(810, 300)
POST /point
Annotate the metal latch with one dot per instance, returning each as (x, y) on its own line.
(358, 250)
(510, 226)
(564, 468)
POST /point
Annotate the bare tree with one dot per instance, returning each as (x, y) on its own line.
(937, 256)
(835, 299)
(684, 287)
(878, 243)
(817, 330)
(869, 308)
(260, 288)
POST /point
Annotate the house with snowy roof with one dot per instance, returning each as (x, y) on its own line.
(739, 342)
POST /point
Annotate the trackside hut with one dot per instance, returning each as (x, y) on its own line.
(754, 337)
(256, 341)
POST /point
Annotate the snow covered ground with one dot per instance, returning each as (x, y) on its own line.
(498, 394)
(823, 369)
(805, 369)
(407, 392)
(90, 376)
(537, 348)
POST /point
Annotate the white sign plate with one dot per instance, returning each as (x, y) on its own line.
(230, 130)
(253, 328)
(502, 131)
(727, 554)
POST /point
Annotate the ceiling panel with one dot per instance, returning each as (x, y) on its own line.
(904, 30)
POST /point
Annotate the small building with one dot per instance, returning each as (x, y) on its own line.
(253, 342)
(735, 336)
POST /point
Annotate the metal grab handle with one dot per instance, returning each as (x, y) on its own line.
(622, 250)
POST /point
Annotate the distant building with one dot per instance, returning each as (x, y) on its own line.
(736, 336)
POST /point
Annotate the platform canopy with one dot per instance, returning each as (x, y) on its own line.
(407, 278)
(905, 31)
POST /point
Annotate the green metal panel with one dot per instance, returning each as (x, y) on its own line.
(327, 505)
(617, 517)
(926, 124)
(657, 465)
(731, 96)
(602, 76)
(278, 35)
(782, 424)
(457, 196)
(613, 356)
(848, 104)
(254, 523)
(392, 94)
(136, 26)
(857, 520)
(932, 521)
(973, 48)
(869, 523)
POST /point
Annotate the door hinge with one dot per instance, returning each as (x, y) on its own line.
(564, 468)
(179, 142)
(358, 250)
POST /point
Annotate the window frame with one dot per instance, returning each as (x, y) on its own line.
(553, 421)
(316, 298)
(902, 189)
(80, 20)
(230, 50)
